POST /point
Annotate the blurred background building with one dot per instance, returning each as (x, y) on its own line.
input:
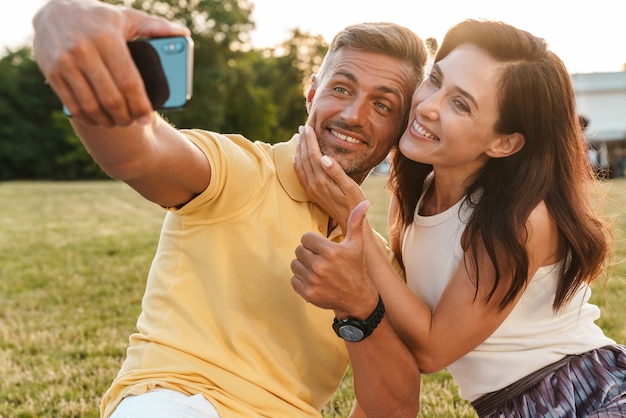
(601, 100)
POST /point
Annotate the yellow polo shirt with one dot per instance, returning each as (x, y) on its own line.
(219, 316)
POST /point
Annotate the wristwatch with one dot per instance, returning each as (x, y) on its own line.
(354, 330)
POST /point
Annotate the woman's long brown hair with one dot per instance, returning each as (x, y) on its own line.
(536, 99)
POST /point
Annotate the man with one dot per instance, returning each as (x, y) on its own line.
(222, 331)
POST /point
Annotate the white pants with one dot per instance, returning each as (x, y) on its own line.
(165, 403)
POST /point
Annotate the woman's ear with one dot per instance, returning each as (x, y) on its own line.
(507, 145)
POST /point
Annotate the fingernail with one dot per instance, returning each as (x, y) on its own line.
(144, 120)
(307, 129)
(326, 161)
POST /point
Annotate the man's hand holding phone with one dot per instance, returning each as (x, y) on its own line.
(85, 58)
(166, 68)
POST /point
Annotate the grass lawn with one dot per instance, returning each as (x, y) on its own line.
(73, 263)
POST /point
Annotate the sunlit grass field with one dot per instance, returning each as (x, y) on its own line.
(73, 264)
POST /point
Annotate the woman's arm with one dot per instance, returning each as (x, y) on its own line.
(464, 316)
(396, 235)
(386, 377)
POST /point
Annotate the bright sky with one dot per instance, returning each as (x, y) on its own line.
(590, 36)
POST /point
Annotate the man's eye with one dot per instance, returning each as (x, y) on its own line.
(382, 106)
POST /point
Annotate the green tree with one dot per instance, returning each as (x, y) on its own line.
(285, 72)
(228, 22)
(31, 145)
(36, 139)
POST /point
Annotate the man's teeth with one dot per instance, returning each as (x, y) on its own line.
(345, 137)
(423, 131)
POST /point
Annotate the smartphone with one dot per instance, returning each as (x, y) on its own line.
(166, 67)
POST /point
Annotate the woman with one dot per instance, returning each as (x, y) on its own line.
(492, 219)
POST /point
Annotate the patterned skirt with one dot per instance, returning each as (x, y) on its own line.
(592, 384)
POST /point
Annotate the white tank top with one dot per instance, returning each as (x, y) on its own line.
(532, 336)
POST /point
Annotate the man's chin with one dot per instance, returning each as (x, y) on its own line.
(355, 173)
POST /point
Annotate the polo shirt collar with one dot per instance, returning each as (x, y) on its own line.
(283, 158)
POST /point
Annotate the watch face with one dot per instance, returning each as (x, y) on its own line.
(351, 333)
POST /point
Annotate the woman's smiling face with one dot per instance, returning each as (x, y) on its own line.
(454, 112)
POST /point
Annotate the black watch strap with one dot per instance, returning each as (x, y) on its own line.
(354, 330)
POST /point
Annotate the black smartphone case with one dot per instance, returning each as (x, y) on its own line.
(149, 65)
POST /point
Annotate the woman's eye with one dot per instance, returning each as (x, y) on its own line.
(460, 105)
(434, 79)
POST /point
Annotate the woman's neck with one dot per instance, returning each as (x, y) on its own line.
(441, 196)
